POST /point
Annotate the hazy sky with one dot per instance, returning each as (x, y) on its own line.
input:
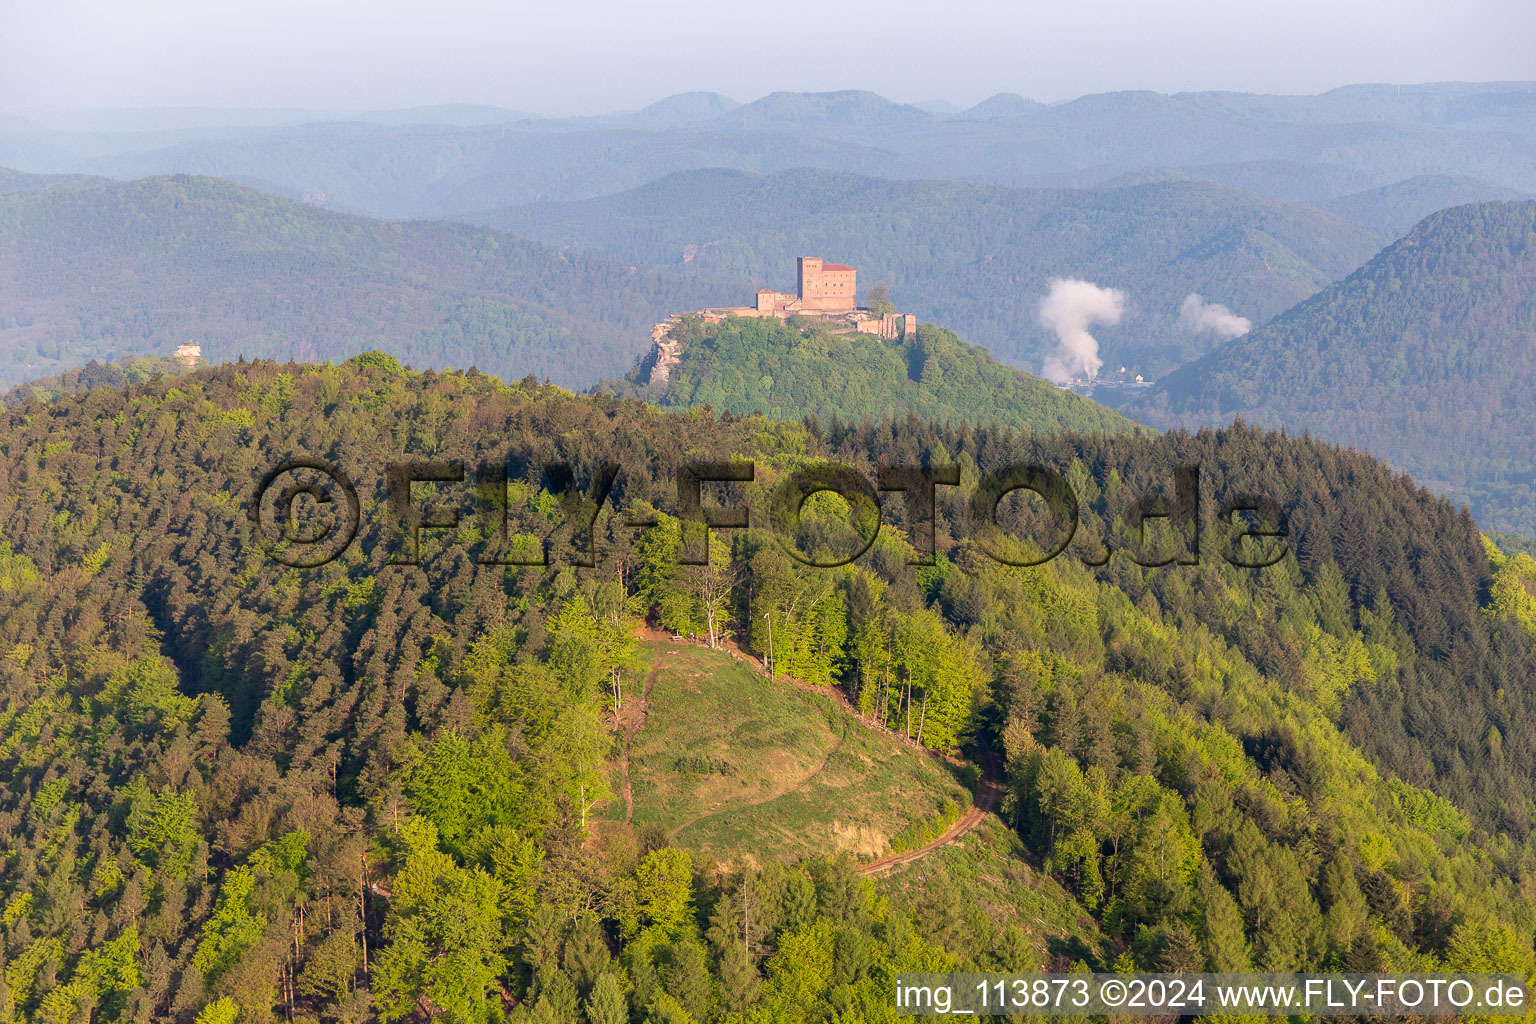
(586, 56)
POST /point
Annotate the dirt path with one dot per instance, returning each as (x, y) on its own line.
(991, 790)
(633, 720)
(797, 787)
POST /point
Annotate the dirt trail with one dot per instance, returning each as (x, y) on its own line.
(991, 791)
(797, 787)
(633, 720)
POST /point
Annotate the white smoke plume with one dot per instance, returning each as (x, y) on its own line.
(1069, 309)
(1196, 316)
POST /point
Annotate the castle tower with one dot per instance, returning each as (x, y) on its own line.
(808, 279)
(828, 287)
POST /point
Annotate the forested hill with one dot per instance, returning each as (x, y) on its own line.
(794, 370)
(125, 371)
(139, 268)
(978, 258)
(1424, 357)
(233, 790)
(16, 181)
(1394, 209)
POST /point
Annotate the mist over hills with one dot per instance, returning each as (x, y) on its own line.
(1291, 147)
(681, 109)
(1423, 357)
(1254, 202)
(435, 170)
(141, 267)
(977, 258)
(16, 181)
(1394, 209)
(848, 114)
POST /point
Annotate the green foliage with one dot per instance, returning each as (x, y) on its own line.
(234, 927)
(606, 1003)
(114, 967)
(926, 830)
(19, 907)
(220, 1011)
(148, 693)
(332, 965)
(468, 769)
(1514, 580)
(17, 572)
(27, 974)
(782, 369)
(445, 936)
(373, 359)
(93, 562)
(464, 785)
(162, 826)
(663, 889)
(47, 798)
(119, 373)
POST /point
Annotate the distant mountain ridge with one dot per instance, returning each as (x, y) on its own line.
(850, 110)
(15, 181)
(1394, 209)
(1423, 357)
(682, 109)
(141, 267)
(1291, 147)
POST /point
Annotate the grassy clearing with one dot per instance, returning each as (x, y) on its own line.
(729, 763)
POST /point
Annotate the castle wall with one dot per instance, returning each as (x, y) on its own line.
(828, 287)
(828, 290)
(889, 326)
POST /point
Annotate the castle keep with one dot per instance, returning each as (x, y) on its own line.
(828, 291)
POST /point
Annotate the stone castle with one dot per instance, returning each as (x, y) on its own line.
(827, 291)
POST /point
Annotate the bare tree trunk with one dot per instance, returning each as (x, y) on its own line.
(746, 913)
(362, 910)
(885, 687)
(907, 697)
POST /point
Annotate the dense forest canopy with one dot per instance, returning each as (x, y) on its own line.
(237, 791)
(142, 267)
(119, 373)
(1422, 357)
(16, 181)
